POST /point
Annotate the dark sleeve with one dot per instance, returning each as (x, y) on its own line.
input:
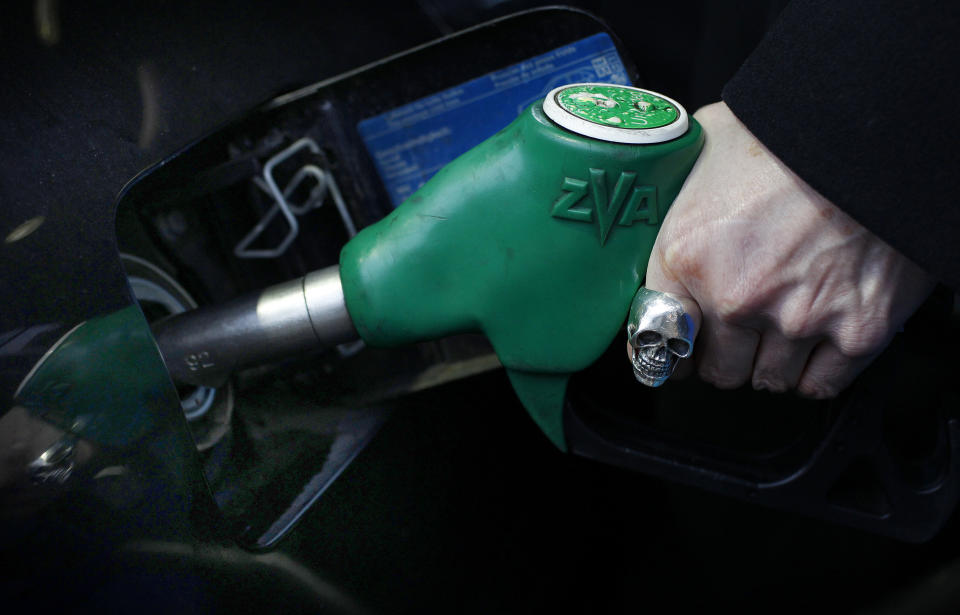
(861, 100)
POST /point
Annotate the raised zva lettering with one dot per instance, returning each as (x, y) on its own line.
(573, 191)
(641, 206)
(625, 205)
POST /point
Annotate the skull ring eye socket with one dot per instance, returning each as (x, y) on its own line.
(648, 338)
(679, 347)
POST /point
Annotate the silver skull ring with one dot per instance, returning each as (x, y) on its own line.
(660, 332)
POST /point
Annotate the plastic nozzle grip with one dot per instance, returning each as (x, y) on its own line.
(537, 237)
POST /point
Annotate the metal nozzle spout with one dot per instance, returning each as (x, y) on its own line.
(203, 347)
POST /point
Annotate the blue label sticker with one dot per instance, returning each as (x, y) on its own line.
(411, 143)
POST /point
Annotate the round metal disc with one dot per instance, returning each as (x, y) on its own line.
(617, 113)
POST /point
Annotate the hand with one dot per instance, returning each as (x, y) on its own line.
(794, 293)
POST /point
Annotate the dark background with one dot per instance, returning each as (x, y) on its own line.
(459, 505)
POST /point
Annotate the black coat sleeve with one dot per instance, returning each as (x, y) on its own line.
(861, 100)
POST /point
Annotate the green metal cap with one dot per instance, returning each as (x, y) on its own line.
(616, 113)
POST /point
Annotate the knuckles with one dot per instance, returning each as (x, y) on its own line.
(742, 303)
(859, 338)
(799, 321)
(682, 254)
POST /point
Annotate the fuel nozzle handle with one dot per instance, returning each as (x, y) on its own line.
(537, 237)
(204, 346)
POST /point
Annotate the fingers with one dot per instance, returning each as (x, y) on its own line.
(729, 355)
(725, 354)
(660, 278)
(829, 371)
(780, 362)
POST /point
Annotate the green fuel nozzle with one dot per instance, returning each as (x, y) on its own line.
(538, 238)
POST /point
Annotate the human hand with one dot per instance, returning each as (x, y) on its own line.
(794, 293)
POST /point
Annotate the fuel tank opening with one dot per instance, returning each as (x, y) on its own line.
(208, 410)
